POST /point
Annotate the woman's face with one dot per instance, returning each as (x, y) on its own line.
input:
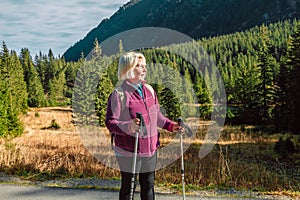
(140, 71)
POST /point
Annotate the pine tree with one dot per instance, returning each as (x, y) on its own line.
(70, 75)
(203, 96)
(84, 95)
(49, 69)
(266, 90)
(35, 90)
(284, 111)
(245, 91)
(201, 89)
(97, 50)
(15, 94)
(171, 98)
(54, 79)
(41, 63)
(4, 96)
(17, 84)
(105, 87)
(292, 86)
(189, 98)
(57, 87)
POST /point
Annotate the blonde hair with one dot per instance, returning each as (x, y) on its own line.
(127, 62)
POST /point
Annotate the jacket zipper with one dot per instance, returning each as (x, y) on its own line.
(149, 121)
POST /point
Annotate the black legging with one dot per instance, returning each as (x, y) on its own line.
(146, 181)
(146, 171)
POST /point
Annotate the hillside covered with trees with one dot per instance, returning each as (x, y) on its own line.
(195, 18)
(259, 67)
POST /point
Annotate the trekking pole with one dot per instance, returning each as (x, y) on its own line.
(180, 122)
(138, 115)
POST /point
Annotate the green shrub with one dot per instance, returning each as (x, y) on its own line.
(284, 147)
(54, 125)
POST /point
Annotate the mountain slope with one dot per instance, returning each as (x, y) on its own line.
(195, 18)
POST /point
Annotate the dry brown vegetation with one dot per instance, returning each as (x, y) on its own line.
(241, 159)
(45, 150)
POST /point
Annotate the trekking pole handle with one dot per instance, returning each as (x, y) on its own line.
(143, 130)
(140, 117)
(187, 129)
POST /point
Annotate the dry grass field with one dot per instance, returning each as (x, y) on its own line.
(52, 148)
(46, 151)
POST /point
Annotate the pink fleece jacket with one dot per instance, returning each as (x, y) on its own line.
(118, 120)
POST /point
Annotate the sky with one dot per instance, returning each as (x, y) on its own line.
(57, 24)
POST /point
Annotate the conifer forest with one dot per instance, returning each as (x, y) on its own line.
(260, 69)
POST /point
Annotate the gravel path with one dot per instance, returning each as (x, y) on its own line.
(13, 188)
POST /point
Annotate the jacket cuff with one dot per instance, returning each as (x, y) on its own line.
(170, 127)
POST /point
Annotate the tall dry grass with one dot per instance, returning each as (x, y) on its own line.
(241, 158)
(41, 150)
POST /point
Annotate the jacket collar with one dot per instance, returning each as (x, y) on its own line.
(127, 85)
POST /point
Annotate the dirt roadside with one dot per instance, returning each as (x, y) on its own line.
(113, 185)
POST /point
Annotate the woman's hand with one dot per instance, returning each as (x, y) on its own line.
(135, 123)
(178, 128)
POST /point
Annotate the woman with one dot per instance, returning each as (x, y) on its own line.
(135, 96)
